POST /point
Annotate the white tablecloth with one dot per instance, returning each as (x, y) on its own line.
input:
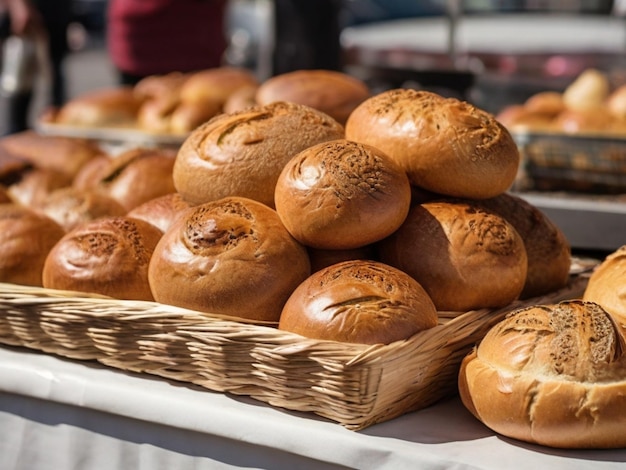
(62, 414)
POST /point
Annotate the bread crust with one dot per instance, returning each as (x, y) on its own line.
(607, 285)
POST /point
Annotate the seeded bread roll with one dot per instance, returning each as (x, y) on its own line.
(342, 195)
(335, 93)
(242, 154)
(465, 256)
(552, 375)
(607, 285)
(107, 256)
(26, 238)
(359, 301)
(445, 145)
(230, 257)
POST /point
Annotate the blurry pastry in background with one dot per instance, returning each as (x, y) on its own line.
(616, 102)
(35, 185)
(591, 120)
(240, 99)
(590, 90)
(215, 85)
(546, 103)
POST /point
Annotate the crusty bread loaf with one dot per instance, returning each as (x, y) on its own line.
(243, 153)
(359, 301)
(465, 256)
(553, 375)
(445, 145)
(607, 285)
(341, 195)
(107, 256)
(231, 257)
(26, 238)
(160, 211)
(335, 93)
(547, 248)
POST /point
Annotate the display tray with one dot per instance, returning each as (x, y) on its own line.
(555, 161)
(352, 384)
(111, 135)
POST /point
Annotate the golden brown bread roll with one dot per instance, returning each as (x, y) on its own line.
(26, 238)
(546, 103)
(616, 102)
(138, 175)
(70, 207)
(445, 145)
(231, 257)
(465, 256)
(593, 120)
(216, 84)
(341, 195)
(241, 98)
(91, 172)
(547, 248)
(552, 375)
(107, 256)
(243, 153)
(589, 90)
(187, 116)
(36, 184)
(332, 92)
(160, 211)
(607, 285)
(107, 107)
(358, 301)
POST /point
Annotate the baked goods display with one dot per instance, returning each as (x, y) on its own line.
(342, 195)
(607, 285)
(551, 374)
(231, 257)
(243, 153)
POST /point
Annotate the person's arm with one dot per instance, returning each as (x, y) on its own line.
(24, 16)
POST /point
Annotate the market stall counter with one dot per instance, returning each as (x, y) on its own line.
(59, 414)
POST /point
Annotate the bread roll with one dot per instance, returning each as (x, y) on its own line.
(445, 145)
(240, 99)
(216, 84)
(552, 375)
(593, 120)
(546, 103)
(588, 91)
(547, 248)
(107, 107)
(71, 207)
(160, 211)
(107, 256)
(26, 238)
(91, 173)
(230, 257)
(36, 184)
(138, 175)
(465, 256)
(358, 301)
(332, 92)
(616, 102)
(342, 195)
(243, 153)
(188, 116)
(607, 285)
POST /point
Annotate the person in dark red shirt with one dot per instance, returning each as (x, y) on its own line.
(150, 37)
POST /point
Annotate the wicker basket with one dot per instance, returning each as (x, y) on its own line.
(354, 385)
(571, 162)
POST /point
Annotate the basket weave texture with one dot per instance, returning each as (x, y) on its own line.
(353, 385)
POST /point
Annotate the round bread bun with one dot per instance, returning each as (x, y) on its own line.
(107, 256)
(215, 84)
(332, 92)
(358, 301)
(229, 257)
(243, 153)
(552, 375)
(107, 107)
(547, 248)
(517, 118)
(163, 87)
(36, 184)
(90, 174)
(188, 116)
(65, 155)
(445, 145)
(547, 103)
(241, 98)
(341, 195)
(465, 256)
(138, 175)
(607, 285)
(71, 207)
(160, 211)
(26, 238)
(588, 91)
(321, 258)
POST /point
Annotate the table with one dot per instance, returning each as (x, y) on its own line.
(57, 413)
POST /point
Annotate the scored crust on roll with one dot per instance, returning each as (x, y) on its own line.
(465, 256)
(607, 285)
(547, 248)
(160, 211)
(332, 92)
(26, 238)
(341, 195)
(358, 301)
(553, 375)
(230, 257)
(107, 256)
(445, 145)
(242, 154)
